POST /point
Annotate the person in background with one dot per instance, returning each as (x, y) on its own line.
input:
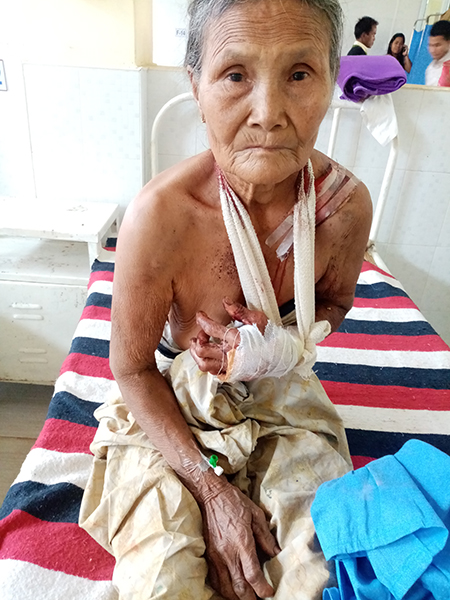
(365, 32)
(399, 50)
(437, 72)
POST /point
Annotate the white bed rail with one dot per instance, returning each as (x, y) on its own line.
(338, 106)
(187, 97)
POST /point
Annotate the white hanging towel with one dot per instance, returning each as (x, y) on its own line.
(378, 114)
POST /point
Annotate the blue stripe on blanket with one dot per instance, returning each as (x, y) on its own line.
(167, 352)
(59, 503)
(67, 407)
(408, 328)
(90, 346)
(102, 266)
(376, 444)
(97, 299)
(436, 379)
(378, 290)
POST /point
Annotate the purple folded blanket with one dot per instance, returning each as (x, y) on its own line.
(364, 76)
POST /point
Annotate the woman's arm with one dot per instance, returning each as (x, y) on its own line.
(145, 268)
(344, 238)
(407, 60)
(148, 258)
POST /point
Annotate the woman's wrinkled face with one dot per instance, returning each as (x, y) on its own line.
(397, 45)
(265, 87)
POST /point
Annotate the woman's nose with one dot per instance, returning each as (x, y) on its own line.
(268, 109)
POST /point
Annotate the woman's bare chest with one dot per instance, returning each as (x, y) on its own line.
(210, 274)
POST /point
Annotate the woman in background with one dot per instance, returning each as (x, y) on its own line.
(399, 50)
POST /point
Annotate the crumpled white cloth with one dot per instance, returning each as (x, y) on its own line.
(378, 115)
(277, 440)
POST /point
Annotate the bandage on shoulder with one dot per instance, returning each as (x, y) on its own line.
(333, 189)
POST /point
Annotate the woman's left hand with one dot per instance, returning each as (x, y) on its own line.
(405, 50)
(211, 356)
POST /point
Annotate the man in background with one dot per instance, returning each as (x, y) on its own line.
(365, 32)
(437, 72)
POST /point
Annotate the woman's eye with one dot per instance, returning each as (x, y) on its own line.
(236, 77)
(299, 75)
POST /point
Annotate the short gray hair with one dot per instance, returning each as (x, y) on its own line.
(201, 12)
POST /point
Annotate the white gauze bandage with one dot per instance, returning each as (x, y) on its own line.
(272, 354)
(278, 351)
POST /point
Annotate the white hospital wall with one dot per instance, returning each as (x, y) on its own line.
(70, 122)
(69, 32)
(72, 133)
(169, 32)
(414, 235)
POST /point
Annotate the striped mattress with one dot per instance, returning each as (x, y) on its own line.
(386, 370)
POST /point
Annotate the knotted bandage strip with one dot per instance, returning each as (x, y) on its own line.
(258, 354)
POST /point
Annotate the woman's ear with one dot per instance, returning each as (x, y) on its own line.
(194, 82)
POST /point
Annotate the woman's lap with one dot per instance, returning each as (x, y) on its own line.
(154, 527)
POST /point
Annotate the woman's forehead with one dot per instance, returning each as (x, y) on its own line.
(267, 23)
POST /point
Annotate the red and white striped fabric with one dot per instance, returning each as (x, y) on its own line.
(386, 370)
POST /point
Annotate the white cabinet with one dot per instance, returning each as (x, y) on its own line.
(45, 263)
(37, 321)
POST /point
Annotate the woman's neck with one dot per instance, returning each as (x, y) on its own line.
(255, 195)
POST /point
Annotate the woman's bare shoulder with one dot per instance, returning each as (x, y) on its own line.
(163, 218)
(180, 187)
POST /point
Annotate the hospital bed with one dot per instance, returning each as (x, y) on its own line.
(385, 369)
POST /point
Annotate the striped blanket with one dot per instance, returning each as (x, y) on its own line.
(386, 370)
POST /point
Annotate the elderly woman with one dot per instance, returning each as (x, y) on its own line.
(230, 267)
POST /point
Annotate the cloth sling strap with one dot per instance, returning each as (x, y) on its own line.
(252, 269)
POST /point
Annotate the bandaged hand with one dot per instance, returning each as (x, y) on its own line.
(212, 356)
(255, 350)
(233, 525)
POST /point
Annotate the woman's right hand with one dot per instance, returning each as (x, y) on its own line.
(233, 525)
(212, 356)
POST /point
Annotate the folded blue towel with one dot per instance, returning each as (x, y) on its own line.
(387, 527)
